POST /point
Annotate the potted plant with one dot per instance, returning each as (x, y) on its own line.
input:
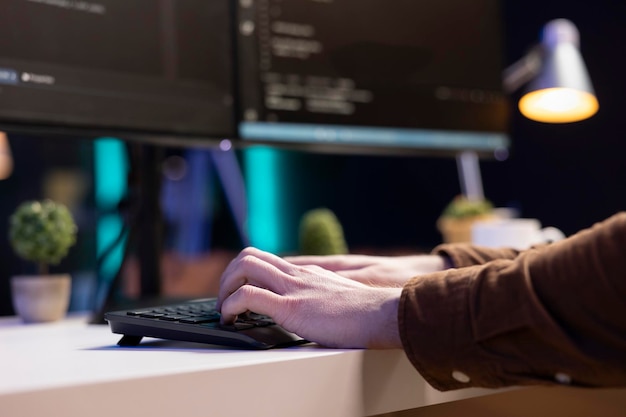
(456, 220)
(41, 232)
(321, 233)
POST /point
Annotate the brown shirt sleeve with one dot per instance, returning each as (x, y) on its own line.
(547, 315)
(466, 254)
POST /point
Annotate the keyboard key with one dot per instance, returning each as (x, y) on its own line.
(151, 315)
(174, 317)
(201, 319)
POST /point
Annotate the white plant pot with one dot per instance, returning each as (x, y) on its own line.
(41, 298)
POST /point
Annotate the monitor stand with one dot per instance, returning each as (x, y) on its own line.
(143, 220)
(468, 165)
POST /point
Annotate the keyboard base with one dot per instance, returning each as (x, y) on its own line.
(261, 336)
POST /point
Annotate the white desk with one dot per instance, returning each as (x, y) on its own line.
(72, 369)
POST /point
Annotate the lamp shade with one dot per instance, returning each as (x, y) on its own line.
(561, 92)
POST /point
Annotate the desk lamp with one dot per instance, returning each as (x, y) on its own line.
(6, 160)
(559, 88)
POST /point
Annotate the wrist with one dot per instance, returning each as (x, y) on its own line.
(430, 263)
(383, 326)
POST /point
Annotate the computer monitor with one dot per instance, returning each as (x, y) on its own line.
(157, 70)
(149, 72)
(372, 76)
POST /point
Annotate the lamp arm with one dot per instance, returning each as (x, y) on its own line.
(522, 70)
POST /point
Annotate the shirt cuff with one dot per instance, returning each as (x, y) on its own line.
(466, 254)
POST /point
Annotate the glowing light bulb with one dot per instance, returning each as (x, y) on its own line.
(558, 105)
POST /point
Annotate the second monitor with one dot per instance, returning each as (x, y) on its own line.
(363, 75)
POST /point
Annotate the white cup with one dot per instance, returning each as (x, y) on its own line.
(513, 233)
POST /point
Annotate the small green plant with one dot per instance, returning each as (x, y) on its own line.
(321, 233)
(461, 207)
(42, 232)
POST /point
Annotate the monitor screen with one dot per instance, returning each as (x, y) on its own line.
(145, 68)
(363, 74)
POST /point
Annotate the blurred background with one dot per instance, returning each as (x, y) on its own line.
(568, 176)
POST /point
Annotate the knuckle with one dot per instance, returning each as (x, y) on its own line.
(248, 259)
(246, 291)
(249, 251)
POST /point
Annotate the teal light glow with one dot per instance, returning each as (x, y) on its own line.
(266, 206)
(111, 167)
(109, 227)
(110, 172)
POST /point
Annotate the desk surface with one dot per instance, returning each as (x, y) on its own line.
(76, 369)
(72, 369)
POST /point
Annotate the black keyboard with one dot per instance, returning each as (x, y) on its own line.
(198, 321)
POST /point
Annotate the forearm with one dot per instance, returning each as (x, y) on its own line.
(548, 316)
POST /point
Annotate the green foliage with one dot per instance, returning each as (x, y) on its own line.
(461, 207)
(321, 233)
(42, 232)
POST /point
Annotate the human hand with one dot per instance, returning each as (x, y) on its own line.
(316, 304)
(385, 271)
